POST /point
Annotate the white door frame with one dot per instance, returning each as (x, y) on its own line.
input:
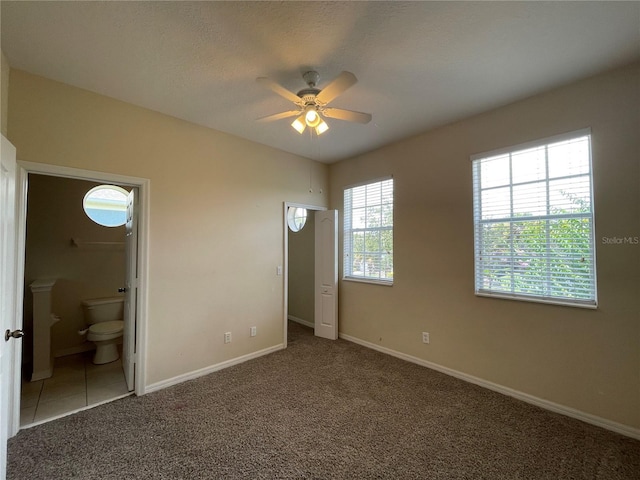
(286, 260)
(8, 297)
(143, 186)
(131, 289)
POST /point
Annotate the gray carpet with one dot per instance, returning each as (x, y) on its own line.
(321, 410)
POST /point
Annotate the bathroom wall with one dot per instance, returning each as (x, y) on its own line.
(215, 215)
(4, 93)
(55, 216)
(586, 360)
(301, 270)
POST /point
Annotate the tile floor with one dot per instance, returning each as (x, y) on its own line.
(76, 383)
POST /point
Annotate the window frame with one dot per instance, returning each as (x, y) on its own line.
(347, 230)
(477, 191)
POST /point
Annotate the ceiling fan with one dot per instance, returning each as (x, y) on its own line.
(311, 102)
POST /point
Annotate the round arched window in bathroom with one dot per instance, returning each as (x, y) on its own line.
(296, 218)
(106, 205)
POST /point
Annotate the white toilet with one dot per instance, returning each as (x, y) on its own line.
(104, 315)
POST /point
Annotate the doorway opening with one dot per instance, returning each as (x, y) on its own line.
(299, 265)
(71, 261)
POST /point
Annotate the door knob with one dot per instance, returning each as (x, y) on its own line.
(122, 289)
(15, 334)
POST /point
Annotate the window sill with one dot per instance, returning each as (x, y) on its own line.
(550, 301)
(384, 283)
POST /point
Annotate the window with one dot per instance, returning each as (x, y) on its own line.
(296, 218)
(368, 232)
(533, 216)
(106, 205)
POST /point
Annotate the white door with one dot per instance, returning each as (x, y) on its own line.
(326, 269)
(8, 345)
(131, 291)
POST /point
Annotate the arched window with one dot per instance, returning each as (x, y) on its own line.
(296, 218)
(106, 205)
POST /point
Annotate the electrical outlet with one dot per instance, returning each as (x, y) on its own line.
(254, 331)
(425, 337)
(227, 337)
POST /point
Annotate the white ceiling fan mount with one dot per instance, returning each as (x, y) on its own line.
(311, 102)
(311, 78)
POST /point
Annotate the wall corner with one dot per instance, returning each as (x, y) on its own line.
(4, 96)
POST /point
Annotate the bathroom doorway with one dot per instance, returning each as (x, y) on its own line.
(80, 260)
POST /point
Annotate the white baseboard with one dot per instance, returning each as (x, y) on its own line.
(87, 346)
(525, 397)
(84, 347)
(301, 321)
(213, 368)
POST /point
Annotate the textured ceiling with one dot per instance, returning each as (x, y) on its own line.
(419, 64)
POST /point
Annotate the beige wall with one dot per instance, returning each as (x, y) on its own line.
(54, 217)
(216, 232)
(301, 270)
(207, 258)
(4, 93)
(587, 360)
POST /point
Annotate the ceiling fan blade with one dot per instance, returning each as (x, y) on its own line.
(336, 87)
(348, 115)
(278, 116)
(279, 89)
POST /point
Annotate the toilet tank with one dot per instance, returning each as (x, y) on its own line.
(106, 309)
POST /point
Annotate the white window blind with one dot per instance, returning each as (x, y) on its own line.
(533, 216)
(368, 232)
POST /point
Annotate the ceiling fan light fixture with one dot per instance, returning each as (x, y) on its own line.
(322, 127)
(299, 124)
(311, 116)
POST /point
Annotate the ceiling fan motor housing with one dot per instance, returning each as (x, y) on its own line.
(311, 78)
(308, 95)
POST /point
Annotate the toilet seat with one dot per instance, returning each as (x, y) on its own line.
(107, 328)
